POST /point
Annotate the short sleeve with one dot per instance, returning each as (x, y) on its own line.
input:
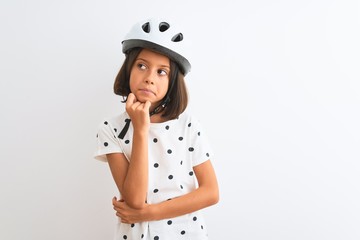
(107, 141)
(200, 148)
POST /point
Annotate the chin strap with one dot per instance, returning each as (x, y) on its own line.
(160, 107)
(164, 102)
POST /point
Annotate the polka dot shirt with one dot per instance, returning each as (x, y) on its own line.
(175, 147)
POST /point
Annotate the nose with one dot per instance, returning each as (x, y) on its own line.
(150, 77)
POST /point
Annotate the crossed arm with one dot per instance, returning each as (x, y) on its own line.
(131, 177)
(132, 208)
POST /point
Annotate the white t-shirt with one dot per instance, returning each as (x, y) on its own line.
(175, 147)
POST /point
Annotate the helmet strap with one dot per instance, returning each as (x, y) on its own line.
(161, 106)
(164, 102)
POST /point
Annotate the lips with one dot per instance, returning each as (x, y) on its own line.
(147, 91)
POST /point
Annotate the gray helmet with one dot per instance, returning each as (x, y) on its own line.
(159, 36)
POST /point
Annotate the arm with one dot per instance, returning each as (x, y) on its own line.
(205, 195)
(131, 177)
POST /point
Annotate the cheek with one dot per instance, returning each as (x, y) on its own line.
(132, 82)
(131, 85)
(163, 88)
(167, 86)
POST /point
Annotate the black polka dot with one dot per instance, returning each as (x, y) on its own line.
(124, 237)
(97, 135)
(170, 176)
(132, 225)
(169, 222)
(168, 199)
(156, 190)
(106, 144)
(156, 238)
(181, 186)
(182, 232)
(207, 154)
(181, 138)
(115, 129)
(155, 140)
(181, 162)
(127, 141)
(169, 151)
(106, 123)
(142, 235)
(156, 165)
(194, 218)
(189, 125)
(167, 127)
(191, 173)
(198, 133)
(202, 227)
(191, 149)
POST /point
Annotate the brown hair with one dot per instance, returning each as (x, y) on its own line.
(178, 93)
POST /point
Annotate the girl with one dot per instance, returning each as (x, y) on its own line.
(158, 153)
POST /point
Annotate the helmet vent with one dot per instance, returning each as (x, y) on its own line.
(146, 27)
(163, 26)
(177, 38)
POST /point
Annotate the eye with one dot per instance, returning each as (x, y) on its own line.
(162, 72)
(141, 66)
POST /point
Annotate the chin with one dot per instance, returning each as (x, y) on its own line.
(143, 99)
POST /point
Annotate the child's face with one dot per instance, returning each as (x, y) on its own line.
(149, 77)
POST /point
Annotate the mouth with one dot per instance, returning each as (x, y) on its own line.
(147, 91)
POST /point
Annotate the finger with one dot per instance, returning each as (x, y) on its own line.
(114, 201)
(125, 221)
(131, 99)
(131, 107)
(136, 105)
(147, 105)
(117, 205)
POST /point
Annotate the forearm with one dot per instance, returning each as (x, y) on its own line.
(205, 195)
(201, 198)
(136, 181)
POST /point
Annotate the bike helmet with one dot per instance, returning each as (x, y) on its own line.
(160, 36)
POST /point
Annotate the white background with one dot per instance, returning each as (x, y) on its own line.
(275, 83)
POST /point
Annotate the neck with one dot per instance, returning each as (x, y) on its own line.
(157, 118)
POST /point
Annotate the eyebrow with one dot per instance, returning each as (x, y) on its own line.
(142, 59)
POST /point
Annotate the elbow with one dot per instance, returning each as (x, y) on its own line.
(136, 204)
(213, 197)
(134, 200)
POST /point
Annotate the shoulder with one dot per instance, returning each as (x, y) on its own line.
(115, 119)
(113, 123)
(189, 122)
(189, 118)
